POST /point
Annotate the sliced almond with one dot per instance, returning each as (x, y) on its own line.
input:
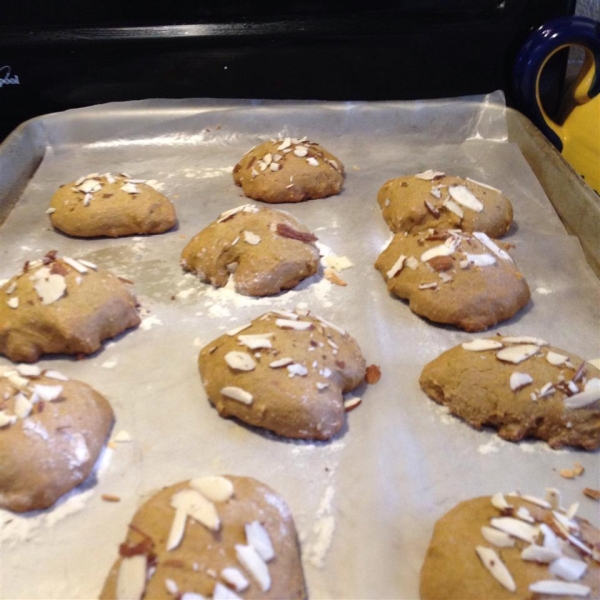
(50, 287)
(412, 263)
(197, 507)
(297, 325)
(177, 529)
(551, 540)
(517, 354)
(300, 151)
(453, 207)
(491, 561)
(258, 538)
(556, 359)
(236, 393)
(480, 345)
(29, 370)
(22, 407)
(130, 188)
(13, 302)
(465, 197)
(559, 588)
(592, 493)
(481, 260)
(497, 537)
(256, 341)
(429, 175)
(524, 339)
(48, 393)
(222, 592)
(281, 362)
(539, 554)
(297, 369)
(235, 578)
(499, 501)
(516, 528)
(590, 395)
(552, 496)
(240, 361)
(6, 420)
(214, 488)
(351, 404)
(237, 330)
(485, 185)
(523, 514)
(488, 243)
(332, 276)
(131, 580)
(519, 380)
(396, 267)
(250, 208)
(251, 238)
(75, 264)
(254, 564)
(441, 250)
(312, 161)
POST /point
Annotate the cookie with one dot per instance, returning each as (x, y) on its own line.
(263, 250)
(62, 306)
(507, 547)
(434, 200)
(110, 206)
(454, 278)
(521, 386)
(285, 372)
(52, 430)
(289, 170)
(212, 537)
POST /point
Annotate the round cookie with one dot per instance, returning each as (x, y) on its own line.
(522, 387)
(265, 251)
(434, 200)
(474, 554)
(285, 372)
(212, 537)
(64, 306)
(455, 278)
(289, 170)
(52, 430)
(110, 206)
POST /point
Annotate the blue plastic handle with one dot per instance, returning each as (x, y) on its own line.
(541, 44)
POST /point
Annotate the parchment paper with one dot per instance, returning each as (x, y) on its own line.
(366, 502)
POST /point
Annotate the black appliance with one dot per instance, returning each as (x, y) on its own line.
(59, 55)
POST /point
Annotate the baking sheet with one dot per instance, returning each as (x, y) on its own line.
(366, 502)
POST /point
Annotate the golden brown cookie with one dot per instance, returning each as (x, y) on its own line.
(64, 306)
(434, 200)
(511, 547)
(521, 386)
(52, 430)
(212, 537)
(289, 170)
(111, 206)
(285, 372)
(453, 277)
(264, 250)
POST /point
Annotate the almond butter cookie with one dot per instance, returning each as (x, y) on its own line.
(52, 430)
(453, 277)
(522, 387)
(433, 199)
(289, 170)
(211, 537)
(263, 251)
(285, 372)
(62, 306)
(111, 206)
(512, 546)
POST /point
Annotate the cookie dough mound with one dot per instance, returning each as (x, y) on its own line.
(285, 372)
(62, 306)
(522, 387)
(52, 430)
(456, 278)
(110, 206)
(434, 200)
(289, 170)
(507, 547)
(265, 251)
(211, 537)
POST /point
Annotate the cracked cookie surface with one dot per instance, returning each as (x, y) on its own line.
(285, 372)
(110, 206)
(264, 251)
(454, 277)
(289, 170)
(52, 430)
(523, 388)
(434, 200)
(62, 306)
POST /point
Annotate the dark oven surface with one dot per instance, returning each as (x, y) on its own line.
(53, 59)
